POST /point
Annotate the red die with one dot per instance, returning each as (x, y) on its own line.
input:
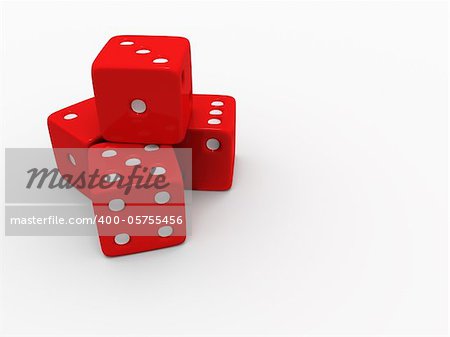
(72, 130)
(211, 136)
(143, 89)
(137, 211)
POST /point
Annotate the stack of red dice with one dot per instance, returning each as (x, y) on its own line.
(142, 112)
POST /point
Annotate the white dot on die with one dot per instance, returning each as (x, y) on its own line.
(160, 60)
(112, 177)
(142, 51)
(138, 106)
(215, 112)
(72, 159)
(126, 43)
(212, 144)
(109, 153)
(70, 116)
(158, 170)
(133, 162)
(217, 103)
(162, 197)
(214, 121)
(122, 239)
(165, 231)
(151, 147)
(116, 205)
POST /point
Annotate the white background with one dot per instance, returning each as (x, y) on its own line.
(337, 221)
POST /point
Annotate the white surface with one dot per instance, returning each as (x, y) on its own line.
(336, 223)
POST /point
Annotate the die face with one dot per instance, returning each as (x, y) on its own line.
(72, 130)
(213, 145)
(143, 52)
(143, 97)
(150, 109)
(151, 217)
